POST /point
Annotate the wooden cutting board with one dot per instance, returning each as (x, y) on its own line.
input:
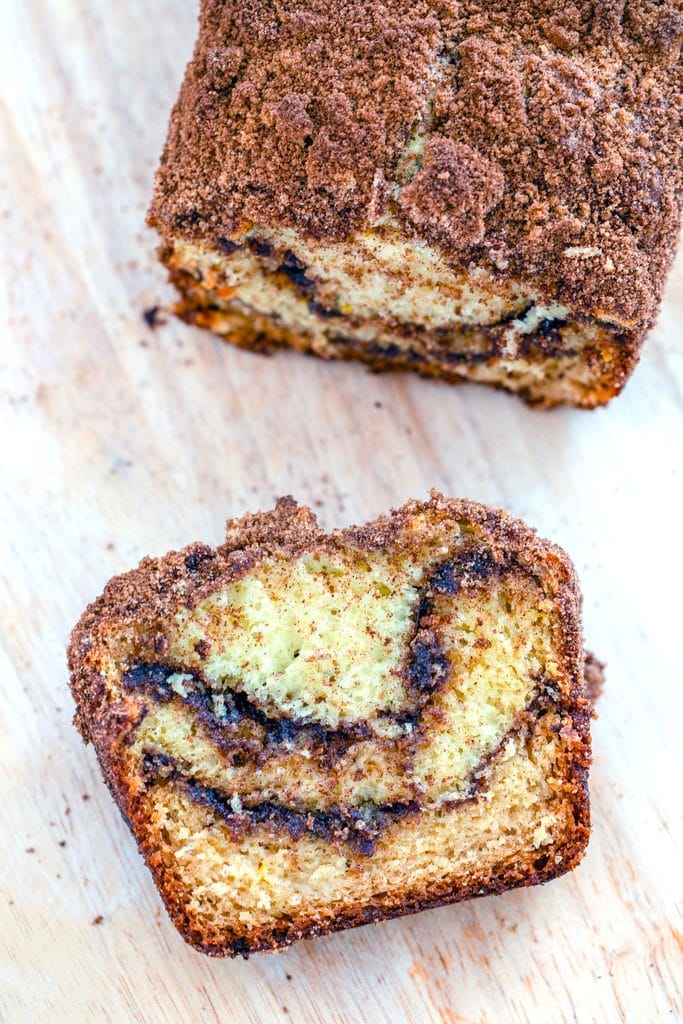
(118, 441)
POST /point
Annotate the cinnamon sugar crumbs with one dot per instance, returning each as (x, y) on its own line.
(551, 127)
(452, 192)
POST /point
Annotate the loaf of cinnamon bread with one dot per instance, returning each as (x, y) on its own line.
(474, 190)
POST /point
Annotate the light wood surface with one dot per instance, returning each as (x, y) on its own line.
(118, 441)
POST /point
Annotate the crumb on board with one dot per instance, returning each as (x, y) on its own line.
(152, 318)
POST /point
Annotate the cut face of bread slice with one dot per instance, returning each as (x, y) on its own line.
(474, 191)
(311, 731)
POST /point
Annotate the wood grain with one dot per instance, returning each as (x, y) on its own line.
(119, 441)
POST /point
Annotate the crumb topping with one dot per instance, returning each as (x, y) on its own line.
(553, 128)
(452, 192)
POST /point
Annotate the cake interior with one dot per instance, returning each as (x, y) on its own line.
(347, 728)
(395, 302)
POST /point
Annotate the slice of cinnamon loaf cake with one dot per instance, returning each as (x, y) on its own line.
(474, 190)
(311, 731)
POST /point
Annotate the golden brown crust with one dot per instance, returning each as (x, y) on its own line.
(553, 134)
(521, 876)
(181, 579)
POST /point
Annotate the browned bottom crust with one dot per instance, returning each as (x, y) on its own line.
(276, 939)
